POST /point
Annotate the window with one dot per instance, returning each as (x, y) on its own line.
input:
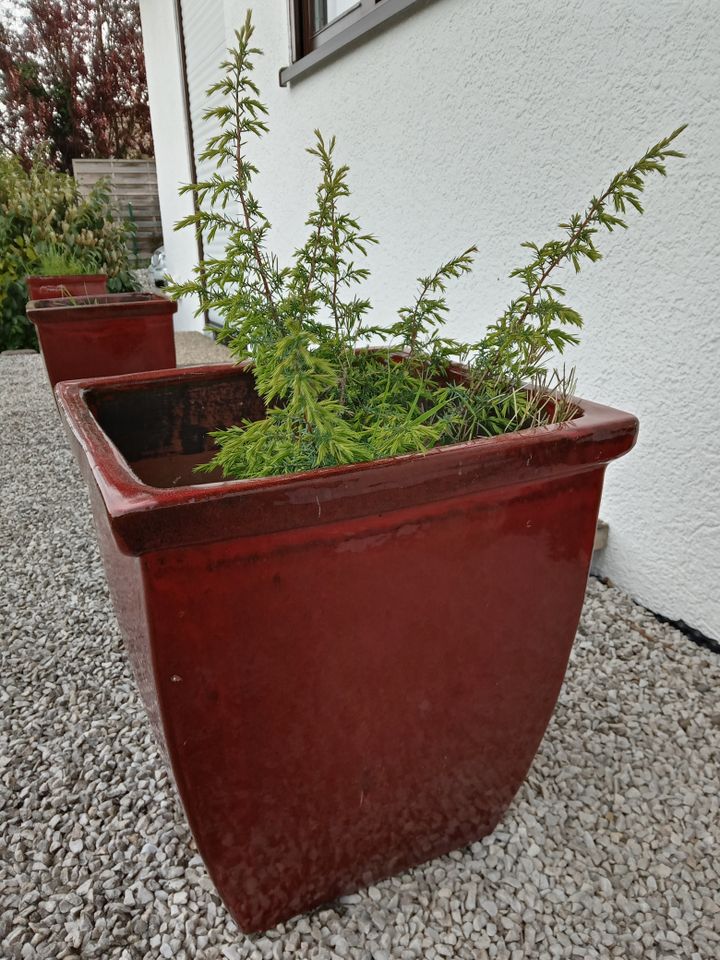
(324, 19)
(321, 28)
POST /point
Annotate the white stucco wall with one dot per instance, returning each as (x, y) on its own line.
(490, 122)
(170, 136)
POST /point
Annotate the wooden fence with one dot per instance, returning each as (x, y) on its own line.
(134, 191)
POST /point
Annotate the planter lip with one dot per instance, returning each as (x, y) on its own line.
(58, 279)
(99, 306)
(599, 434)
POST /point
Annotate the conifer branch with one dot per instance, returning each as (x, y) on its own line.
(329, 400)
(624, 189)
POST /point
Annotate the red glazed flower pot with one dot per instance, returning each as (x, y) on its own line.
(66, 285)
(104, 335)
(350, 670)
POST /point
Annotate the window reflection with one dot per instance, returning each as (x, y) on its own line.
(325, 11)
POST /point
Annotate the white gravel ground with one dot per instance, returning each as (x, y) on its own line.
(610, 849)
(194, 348)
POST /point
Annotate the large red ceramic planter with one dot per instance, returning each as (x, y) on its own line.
(66, 285)
(104, 335)
(350, 670)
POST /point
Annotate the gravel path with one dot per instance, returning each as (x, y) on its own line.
(193, 348)
(610, 849)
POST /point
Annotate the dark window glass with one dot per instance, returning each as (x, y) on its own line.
(318, 21)
(325, 11)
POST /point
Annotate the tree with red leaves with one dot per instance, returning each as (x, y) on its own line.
(72, 76)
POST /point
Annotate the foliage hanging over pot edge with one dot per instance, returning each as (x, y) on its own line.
(328, 400)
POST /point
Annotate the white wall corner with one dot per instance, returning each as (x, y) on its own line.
(170, 135)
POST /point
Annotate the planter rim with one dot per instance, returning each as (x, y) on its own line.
(60, 278)
(99, 306)
(599, 434)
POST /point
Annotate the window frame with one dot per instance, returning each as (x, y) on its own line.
(310, 40)
(351, 27)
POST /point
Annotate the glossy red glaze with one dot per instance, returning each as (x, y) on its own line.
(66, 285)
(350, 670)
(104, 335)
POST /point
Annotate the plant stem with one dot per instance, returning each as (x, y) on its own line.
(242, 179)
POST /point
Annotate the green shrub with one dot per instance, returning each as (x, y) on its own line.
(46, 224)
(304, 325)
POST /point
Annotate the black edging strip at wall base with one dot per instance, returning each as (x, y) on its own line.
(695, 636)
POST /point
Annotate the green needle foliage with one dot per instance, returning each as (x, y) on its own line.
(54, 261)
(332, 395)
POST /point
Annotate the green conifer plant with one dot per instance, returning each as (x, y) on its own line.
(337, 389)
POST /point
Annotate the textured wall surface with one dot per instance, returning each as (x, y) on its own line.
(490, 122)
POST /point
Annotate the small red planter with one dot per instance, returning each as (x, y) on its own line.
(104, 335)
(350, 670)
(66, 285)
